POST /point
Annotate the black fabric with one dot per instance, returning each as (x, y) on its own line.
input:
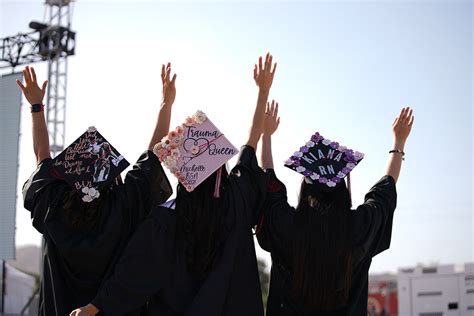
(75, 262)
(153, 270)
(371, 234)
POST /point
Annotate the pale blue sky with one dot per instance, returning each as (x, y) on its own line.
(344, 69)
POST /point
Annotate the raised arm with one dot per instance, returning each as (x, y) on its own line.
(34, 94)
(270, 125)
(164, 116)
(401, 129)
(263, 75)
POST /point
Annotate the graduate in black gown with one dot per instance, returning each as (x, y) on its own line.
(322, 250)
(84, 235)
(198, 258)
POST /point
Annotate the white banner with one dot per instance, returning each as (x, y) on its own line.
(10, 103)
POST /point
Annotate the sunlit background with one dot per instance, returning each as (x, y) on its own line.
(345, 69)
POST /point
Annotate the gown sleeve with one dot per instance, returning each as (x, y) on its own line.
(277, 216)
(248, 184)
(143, 269)
(374, 218)
(146, 186)
(42, 192)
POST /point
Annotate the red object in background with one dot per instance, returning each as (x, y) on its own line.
(383, 299)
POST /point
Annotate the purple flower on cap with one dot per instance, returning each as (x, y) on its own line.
(346, 170)
(358, 155)
(336, 179)
(323, 180)
(307, 173)
(334, 145)
(304, 149)
(316, 137)
(296, 162)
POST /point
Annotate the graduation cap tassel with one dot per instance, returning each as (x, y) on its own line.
(349, 188)
(218, 183)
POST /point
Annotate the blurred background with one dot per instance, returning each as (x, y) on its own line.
(345, 69)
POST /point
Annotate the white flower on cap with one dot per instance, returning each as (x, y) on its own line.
(91, 129)
(331, 184)
(310, 143)
(300, 169)
(342, 148)
(314, 176)
(341, 175)
(85, 190)
(87, 198)
(288, 162)
(199, 117)
(326, 141)
(298, 154)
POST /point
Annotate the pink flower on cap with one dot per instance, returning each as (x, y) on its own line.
(195, 150)
(189, 121)
(172, 135)
(180, 130)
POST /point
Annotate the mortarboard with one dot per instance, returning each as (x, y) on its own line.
(324, 161)
(89, 164)
(194, 150)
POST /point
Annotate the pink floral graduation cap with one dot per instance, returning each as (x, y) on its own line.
(194, 150)
(324, 161)
(89, 164)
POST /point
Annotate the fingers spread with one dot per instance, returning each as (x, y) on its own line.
(33, 74)
(22, 87)
(163, 73)
(43, 88)
(27, 75)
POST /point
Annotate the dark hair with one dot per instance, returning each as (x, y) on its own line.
(200, 225)
(81, 215)
(322, 265)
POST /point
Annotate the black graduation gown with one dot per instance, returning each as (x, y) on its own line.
(76, 262)
(371, 234)
(153, 267)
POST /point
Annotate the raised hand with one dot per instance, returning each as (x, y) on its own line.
(401, 129)
(272, 120)
(169, 88)
(33, 93)
(402, 125)
(263, 73)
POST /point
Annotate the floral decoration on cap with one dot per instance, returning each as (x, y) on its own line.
(324, 161)
(89, 164)
(194, 150)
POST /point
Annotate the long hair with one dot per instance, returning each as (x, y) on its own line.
(200, 225)
(322, 265)
(81, 215)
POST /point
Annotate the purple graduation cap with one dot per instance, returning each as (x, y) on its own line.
(194, 150)
(89, 164)
(324, 161)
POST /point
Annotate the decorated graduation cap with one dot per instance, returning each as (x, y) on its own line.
(324, 161)
(194, 150)
(89, 164)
